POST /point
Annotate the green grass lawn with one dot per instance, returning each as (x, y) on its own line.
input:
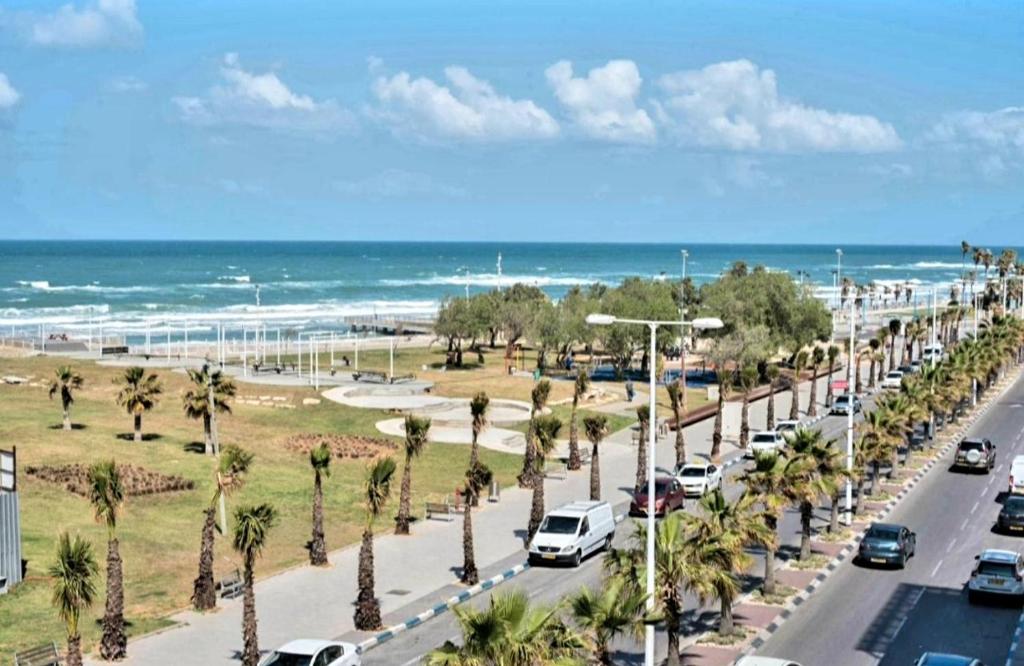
(160, 533)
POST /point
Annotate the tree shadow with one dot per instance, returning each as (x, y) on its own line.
(74, 426)
(194, 447)
(146, 437)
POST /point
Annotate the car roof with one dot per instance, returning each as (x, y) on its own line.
(996, 555)
(306, 646)
(895, 372)
(886, 526)
(766, 432)
(701, 465)
(576, 509)
(764, 661)
(936, 659)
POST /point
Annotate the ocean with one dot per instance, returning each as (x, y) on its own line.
(128, 286)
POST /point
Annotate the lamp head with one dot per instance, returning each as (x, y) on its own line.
(596, 319)
(705, 323)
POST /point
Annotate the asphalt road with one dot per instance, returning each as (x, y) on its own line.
(868, 616)
(548, 585)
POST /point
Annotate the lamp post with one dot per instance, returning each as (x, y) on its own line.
(935, 321)
(682, 337)
(703, 323)
(850, 391)
(839, 274)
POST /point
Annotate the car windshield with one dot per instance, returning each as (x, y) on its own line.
(560, 525)
(883, 533)
(843, 399)
(1014, 505)
(764, 437)
(693, 471)
(895, 374)
(288, 659)
(971, 446)
(1001, 569)
(661, 486)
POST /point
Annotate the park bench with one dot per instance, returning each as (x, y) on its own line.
(370, 376)
(397, 379)
(556, 470)
(231, 585)
(44, 655)
(440, 510)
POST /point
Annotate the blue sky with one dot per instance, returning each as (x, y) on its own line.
(870, 122)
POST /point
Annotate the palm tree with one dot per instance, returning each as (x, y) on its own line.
(799, 363)
(138, 395)
(320, 461)
(106, 494)
(808, 444)
(643, 416)
(477, 477)
(965, 247)
(616, 610)
(509, 632)
(724, 382)
(196, 401)
(771, 371)
(232, 467)
(538, 400)
(579, 390)
(545, 431)
(67, 381)
(833, 354)
(73, 589)
(675, 398)
(817, 358)
(771, 483)
(748, 382)
(596, 427)
(895, 326)
(478, 407)
(377, 489)
(416, 431)
(252, 526)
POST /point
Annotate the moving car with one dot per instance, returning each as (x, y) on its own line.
(1011, 516)
(936, 659)
(893, 380)
(916, 365)
(764, 661)
(787, 425)
(573, 531)
(843, 403)
(766, 441)
(1017, 475)
(975, 454)
(698, 479)
(997, 573)
(885, 543)
(668, 496)
(932, 352)
(309, 652)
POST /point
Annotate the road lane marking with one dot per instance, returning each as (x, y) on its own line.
(949, 548)
(963, 525)
(936, 569)
(974, 508)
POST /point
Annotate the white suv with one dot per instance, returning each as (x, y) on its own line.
(893, 380)
(766, 441)
(698, 479)
(998, 572)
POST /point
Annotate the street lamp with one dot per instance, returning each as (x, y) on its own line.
(839, 273)
(703, 323)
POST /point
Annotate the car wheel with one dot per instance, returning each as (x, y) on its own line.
(577, 558)
(972, 597)
(903, 561)
(608, 542)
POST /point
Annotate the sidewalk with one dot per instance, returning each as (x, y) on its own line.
(317, 603)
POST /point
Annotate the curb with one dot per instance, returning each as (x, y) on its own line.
(764, 634)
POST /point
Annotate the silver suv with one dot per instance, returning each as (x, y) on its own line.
(975, 454)
(998, 572)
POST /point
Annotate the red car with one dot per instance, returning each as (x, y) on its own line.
(668, 496)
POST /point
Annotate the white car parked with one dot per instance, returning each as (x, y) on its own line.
(893, 380)
(766, 441)
(697, 479)
(309, 652)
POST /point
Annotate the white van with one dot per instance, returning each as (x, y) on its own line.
(932, 352)
(1017, 475)
(573, 531)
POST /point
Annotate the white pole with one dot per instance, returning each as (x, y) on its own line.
(168, 345)
(147, 340)
(974, 381)
(186, 341)
(849, 416)
(391, 355)
(357, 353)
(652, 431)
(279, 348)
(316, 364)
(332, 349)
(935, 315)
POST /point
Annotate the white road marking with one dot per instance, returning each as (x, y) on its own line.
(936, 569)
(949, 548)
(974, 508)
(963, 525)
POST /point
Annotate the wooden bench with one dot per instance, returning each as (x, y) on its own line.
(370, 376)
(44, 655)
(231, 585)
(440, 510)
(556, 470)
(397, 379)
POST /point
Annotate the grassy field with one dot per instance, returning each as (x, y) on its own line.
(160, 533)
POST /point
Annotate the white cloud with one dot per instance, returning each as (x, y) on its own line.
(128, 84)
(8, 95)
(892, 170)
(261, 100)
(467, 108)
(398, 184)
(736, 106)
(998, 130)
(99, 23)
(603, 104)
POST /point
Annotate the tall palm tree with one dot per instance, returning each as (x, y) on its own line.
(643, 416)
(320, 461)
(106, 494)
(799, 363)
(477, 477)
(196, 400)
(545, 431)
(772, 372)
(817, 358)
(965, 247)
(771, 482)
(252, 527)
(538, 401)
(478, 407)
(579, 390)
(596, 427)
(376, 490)
(232, 467)
(748, 382)
(895, 326)
(509, 632)
(807, 443)
(724, 382)
(417, 429)
(833, 354)
(66, 382)
(675, 398)
(73, 589)
(616, 610)
(139, 394)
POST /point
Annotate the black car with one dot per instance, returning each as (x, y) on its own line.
(977, 454)
(1011, 516)
(885, 543)
(936, 659)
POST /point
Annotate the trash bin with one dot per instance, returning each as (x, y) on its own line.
(494, 491)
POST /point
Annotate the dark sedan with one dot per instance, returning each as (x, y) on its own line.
(936, 659)
(668, 496)
(1011, 516)
(887, 544)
